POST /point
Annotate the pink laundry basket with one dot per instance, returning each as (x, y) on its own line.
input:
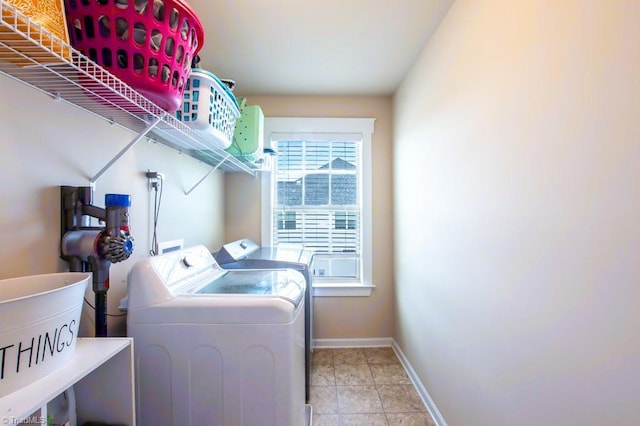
(148, 44)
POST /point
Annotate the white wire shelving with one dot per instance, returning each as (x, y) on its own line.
(34, 56)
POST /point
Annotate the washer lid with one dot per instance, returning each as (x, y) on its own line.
(283, 283)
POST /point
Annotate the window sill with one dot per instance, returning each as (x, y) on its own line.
(344, 290)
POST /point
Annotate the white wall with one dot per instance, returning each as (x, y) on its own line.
(45, 144)
(516, 167)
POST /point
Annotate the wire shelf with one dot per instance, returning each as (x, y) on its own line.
(31, 54)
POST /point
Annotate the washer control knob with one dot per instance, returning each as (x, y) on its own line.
(188, 261)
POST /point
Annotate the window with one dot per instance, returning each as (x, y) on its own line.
(318, 196)
(345, 220)
(286, 220)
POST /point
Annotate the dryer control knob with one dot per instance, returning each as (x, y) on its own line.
(188, 261)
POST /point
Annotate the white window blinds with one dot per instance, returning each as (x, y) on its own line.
(317, 198)
(317, 194)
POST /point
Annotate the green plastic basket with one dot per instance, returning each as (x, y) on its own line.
(248, 135)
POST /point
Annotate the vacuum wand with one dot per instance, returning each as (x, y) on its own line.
(95, 248)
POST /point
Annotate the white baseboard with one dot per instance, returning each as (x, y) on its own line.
(422, 391)
(374, 342)
(388, 342)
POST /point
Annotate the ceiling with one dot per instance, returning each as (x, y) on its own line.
(315, 47)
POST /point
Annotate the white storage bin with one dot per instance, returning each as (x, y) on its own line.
(40, 318)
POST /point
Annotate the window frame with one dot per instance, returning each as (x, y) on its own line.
(362, 126)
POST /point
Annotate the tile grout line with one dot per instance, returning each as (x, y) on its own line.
(384, 413)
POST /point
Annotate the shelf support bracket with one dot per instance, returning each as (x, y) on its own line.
(216, 167)
(124, 150)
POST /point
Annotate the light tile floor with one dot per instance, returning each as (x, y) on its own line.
(363, 386)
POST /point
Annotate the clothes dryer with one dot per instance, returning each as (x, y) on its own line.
(246, 254)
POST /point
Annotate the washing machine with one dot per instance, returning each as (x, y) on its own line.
(216, 347)
(246, 254)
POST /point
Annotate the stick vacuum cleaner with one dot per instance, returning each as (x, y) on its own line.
(94, 248)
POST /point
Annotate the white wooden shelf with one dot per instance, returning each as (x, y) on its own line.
(101, 372)
(32, 55)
